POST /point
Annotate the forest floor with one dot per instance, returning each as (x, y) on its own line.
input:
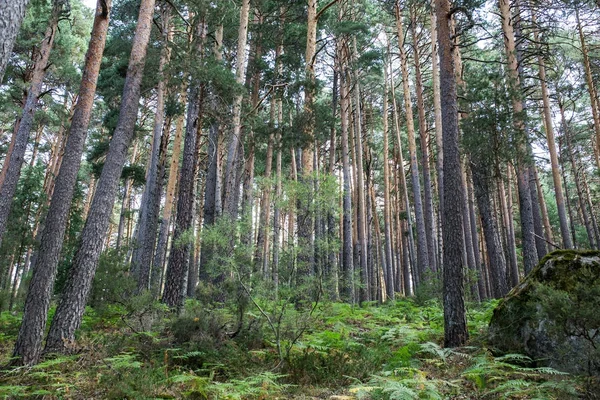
(335, 351)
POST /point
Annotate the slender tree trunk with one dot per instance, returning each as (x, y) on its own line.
(212, 193)
(481, 289)
(72, 303)
(455, 322)
(423, 263)
(11, 16)
(361, 222)
(347, 242)
(165, 222)
(148, 219)
(550, 137)
(404, 188)
(424, 141)
(575, 171)
(435, 76)
(29, 342)
(530, 256)
(543, 209)
(589, 79)
(177, 268)
(14, 160)
(511, 250)
(481, 181)
(234, 154)
(387, 222)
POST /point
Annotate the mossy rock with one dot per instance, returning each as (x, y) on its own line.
(553, 316)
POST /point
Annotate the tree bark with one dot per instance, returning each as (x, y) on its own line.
(455, 322)
(72, 303)
(232, 189)
(29, 342)
(424, 142)
(530, 256)
(347, 242)
(150, 207)
(550, 137)
(177, 268)
(11, 15)
(481, 182)
(423, 264)
(14, 160)
(161, 247)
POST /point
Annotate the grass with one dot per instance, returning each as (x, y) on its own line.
(375, 352)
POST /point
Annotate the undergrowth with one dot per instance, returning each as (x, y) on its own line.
(380, 352)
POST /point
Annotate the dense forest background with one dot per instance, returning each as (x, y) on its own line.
(278, 155)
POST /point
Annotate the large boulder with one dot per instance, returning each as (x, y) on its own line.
(553, 316)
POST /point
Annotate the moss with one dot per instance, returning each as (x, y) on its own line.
(550, 314)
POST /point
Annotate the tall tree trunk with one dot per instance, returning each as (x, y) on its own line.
(179, 257)
(589, 80)
(481, 182)
(347, 242)
(212, 192)
(481, 288)
(232, 189)
(11, 16)
(424, 141)
(404, 188)
(511, 248)
(550, 137)
(543, 209)
(423, 263)
(29, 342)
(387, 222)
(455, 322)
(361, 221)
(435, 76)
(530, 256)
(72, 303)
(161, 247)
(150, 207)
(575, 171)
(305, 218)
(14, 160)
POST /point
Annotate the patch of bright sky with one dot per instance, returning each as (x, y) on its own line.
(90, 3)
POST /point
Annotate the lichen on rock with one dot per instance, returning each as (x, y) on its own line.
(553, 315)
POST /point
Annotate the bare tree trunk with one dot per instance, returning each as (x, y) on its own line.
(14, 160)
(11, 16)
(511, 250)
(589, 79)
(576, 177)
(424, 141)
(212, 193)
(423, 263)
(148, 218)
(161, 247)
(530, 256)
(347, 242)
(481, 289)
(410, 243)
(29, 342)
(455, 322)
(72, 303)
(177, 268)
(387, 223)
(361, 222)
(550, 137)
(435, 76)
(543, 209)
(234, 155)
(482, 181)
